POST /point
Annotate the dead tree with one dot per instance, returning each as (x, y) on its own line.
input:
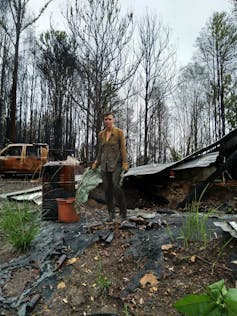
(104, 56)
(17, 9)
(156, 71)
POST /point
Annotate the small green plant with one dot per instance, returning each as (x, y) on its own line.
(19, 224)
(103, 282)
(169, 232)
(125, 311)
(194, 227)
(218, 300)
(221, 252)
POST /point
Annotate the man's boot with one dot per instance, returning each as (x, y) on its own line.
(111, 217)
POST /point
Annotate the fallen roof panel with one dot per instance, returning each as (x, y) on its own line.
(199, 162)
(148, 169)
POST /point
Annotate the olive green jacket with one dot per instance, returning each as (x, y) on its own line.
(112, 152)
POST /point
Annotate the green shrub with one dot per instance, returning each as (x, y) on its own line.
(218, 300)
(19, 224)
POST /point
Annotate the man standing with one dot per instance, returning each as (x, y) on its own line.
(112, 157)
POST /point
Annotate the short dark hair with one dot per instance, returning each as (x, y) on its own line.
(108, 113)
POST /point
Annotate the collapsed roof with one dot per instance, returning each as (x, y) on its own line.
(218, 157)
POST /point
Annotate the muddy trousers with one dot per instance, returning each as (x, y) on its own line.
(113, 190)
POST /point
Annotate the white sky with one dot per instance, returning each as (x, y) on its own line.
(185, 18)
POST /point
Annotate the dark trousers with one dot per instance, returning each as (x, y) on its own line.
(112, 189)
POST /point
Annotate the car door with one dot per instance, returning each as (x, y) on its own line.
(11, 159)
(32, 161)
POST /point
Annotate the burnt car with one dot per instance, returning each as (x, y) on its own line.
(23, 158)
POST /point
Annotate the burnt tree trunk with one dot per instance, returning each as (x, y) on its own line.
(12, 122)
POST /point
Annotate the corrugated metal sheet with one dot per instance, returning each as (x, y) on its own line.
(21, 192)
(148, 169)
(35, 197)
(230, 227)
(201, 162)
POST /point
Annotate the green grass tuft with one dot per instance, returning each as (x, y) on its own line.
(194, 227)
(19, 224)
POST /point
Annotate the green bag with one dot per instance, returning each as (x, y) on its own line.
(90, 180)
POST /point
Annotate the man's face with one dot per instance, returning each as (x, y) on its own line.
(109, 121)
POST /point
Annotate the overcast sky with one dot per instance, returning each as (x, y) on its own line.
(185, 18)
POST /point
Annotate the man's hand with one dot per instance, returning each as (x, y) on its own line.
(125, 166)
(94, 165)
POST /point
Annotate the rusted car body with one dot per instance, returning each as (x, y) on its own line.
(23, 158)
